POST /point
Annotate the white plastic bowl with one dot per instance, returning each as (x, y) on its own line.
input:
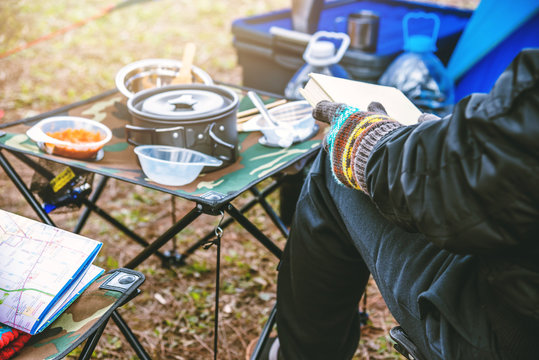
(173, 166)
(50, 145)
(296, 123)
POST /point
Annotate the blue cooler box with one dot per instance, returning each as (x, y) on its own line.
(269, 62)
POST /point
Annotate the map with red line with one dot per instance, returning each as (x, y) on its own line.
(37, 262)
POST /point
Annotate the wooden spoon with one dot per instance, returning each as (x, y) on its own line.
(185, 76)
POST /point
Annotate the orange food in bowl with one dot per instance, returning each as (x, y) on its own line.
(74, 153)
(77, 136)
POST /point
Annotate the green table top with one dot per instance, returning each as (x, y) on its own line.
(255, 162)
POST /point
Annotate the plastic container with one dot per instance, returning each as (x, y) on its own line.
(84, 151)
(296, 124)
(173, 166)
(270, 60)
(321, 57)
(418, 73)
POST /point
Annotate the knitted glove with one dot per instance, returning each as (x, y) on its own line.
(351, 138)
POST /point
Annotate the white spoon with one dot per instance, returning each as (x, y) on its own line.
(257, 102)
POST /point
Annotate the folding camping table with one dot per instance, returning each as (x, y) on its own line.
(211, 193)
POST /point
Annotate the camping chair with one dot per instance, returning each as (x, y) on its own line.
(86, 318)
(404, 345)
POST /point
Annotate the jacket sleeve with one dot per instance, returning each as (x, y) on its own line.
(469, 181)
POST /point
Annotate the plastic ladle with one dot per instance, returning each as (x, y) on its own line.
(257, 102)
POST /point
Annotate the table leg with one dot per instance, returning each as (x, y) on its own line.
(271, 213)
(93, 198)
(118, 225)
(253, 230)
(164, 238)
(246, 207)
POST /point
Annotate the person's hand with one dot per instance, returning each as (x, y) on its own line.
(349, 126)
(336, 115)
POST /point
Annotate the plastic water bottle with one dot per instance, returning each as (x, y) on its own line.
(418, 73)
(321, 56)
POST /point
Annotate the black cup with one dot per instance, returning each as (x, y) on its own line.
(362, 27)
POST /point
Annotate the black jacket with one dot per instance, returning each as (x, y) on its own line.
(470, 181)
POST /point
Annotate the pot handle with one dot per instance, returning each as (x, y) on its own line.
(153, 132)
(230, 147)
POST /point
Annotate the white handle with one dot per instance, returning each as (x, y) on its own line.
(345, 41)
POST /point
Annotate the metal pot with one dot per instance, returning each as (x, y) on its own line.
(195, 116)
(152, 73)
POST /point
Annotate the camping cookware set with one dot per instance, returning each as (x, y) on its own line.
(181, 123)
(168, 109)
(194, 116)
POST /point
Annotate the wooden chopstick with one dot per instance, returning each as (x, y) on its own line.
(244, 119)
(247, 114)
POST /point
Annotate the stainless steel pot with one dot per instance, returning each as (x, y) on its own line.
(152, 73)
(195, 116)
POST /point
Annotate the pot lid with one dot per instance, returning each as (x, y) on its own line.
(183, 102)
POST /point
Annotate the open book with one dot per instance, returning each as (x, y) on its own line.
(43, 269)
(360, 94)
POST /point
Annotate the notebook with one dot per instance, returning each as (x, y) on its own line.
(360, 94)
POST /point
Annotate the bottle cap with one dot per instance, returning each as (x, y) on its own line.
(323, 52)
(323, 49)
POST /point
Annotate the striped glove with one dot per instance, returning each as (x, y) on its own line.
(352, 137)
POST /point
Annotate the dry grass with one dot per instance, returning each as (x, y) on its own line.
(173, 315)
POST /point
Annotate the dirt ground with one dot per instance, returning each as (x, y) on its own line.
(173, 317)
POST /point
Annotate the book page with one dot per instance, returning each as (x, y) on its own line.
(38, 264)
(360, 94)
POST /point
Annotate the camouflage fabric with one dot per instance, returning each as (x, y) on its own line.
(255, 161)
(82, 318)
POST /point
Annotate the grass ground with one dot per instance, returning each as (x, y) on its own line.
(173, 315)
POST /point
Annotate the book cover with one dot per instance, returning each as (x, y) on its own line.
(360, 94)
(42, 270)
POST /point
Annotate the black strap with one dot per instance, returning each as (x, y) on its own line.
(217, 242)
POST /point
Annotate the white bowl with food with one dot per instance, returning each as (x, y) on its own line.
(70, 136)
